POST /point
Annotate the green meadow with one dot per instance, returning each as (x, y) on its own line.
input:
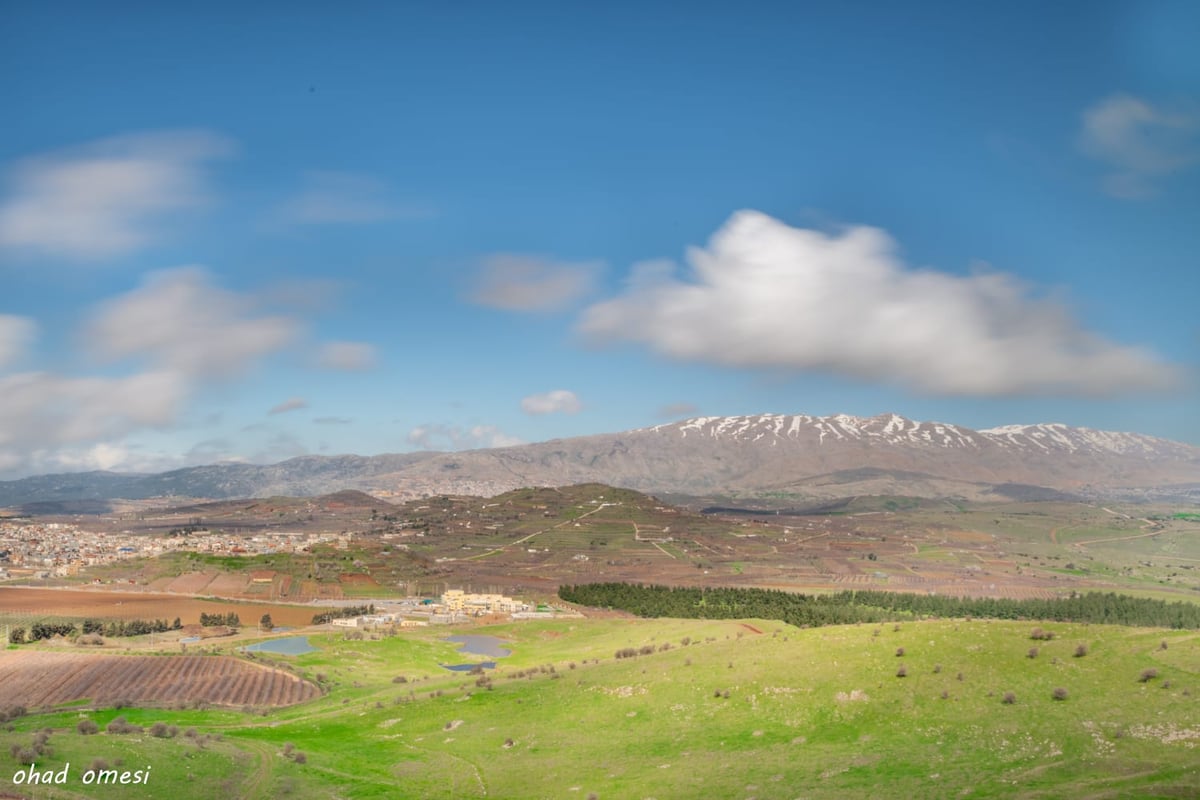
(713, 709)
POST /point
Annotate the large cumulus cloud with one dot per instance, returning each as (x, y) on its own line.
(767, 295)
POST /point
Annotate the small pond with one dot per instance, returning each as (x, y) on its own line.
(469, 667)
(288, 646)
(478, 645)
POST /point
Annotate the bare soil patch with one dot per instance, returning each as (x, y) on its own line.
(99, 603)
(37, 679)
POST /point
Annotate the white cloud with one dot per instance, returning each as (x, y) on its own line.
(766, 295)
(16, 333)
(346, 356)
(45, 417)
(179, 331)
(178, 320)
(107, 198)
(1140, 142)
(291, 404)
(333, 420)
(559, 401)
(529, 283)
(436, 436)
(330, 197)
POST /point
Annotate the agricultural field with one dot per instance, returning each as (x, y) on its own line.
(37, 679)
(737, 708)
(21, 605)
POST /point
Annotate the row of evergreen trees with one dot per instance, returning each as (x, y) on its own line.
(116, 627)
(343, 612)
(872, 606)
(231, 619)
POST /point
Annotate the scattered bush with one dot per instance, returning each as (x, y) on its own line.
(902, 672)
(899, 652)
(1081, 651)
(1162, 645)
(1059, 694)
(87, 727)
(1008, 699)
(1148, 675)
(937, 668)
(121, 726)
(1038, 634)
(162, 730)
(300, 758)
(1033, 653)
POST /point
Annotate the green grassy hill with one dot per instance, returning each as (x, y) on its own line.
(744, 709)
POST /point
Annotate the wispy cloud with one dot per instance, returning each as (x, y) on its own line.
(558, 401)
(1141, 143)
(332, 198)
(346, 356)
(333, 421)
(173, 334)
(437, 436)
(108, 198)
(16, 333)
(291, 404)
(531, 283)
(178, 320)
(766, 295)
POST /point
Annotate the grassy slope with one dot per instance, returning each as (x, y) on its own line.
(652, 727)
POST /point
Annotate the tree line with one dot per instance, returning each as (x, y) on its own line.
(648, 600)
(116, 627)
(344, 612)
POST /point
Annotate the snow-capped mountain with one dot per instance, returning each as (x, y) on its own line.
(792, 454)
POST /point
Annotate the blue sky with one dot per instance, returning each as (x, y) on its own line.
(254, 233)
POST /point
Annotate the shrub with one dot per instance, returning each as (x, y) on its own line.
(1033, 653)
(1162, 645)
(1081, 651)
(87, 727)
(945, 695)
(121, 726)
(300, 758)
(1008, 699)
(162, 731)
(899, 652)
(937, 668)
(1148, 675)
(902, 672)
(1059, 694)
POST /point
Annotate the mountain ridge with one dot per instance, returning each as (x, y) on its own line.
(743, 454)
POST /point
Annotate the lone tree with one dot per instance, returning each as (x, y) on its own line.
(266, 623)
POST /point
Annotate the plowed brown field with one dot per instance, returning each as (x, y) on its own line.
(35, 679)
(100, 603)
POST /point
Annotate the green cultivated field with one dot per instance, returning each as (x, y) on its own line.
(746, 709)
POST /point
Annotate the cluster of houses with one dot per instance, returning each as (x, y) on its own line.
(455, 605)
(56, 549)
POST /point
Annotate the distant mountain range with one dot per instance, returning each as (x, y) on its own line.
(778, 455)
